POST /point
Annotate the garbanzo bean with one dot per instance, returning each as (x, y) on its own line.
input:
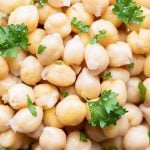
(145, 3)
(147, 66)
(95, 146)
(85, 38)
(59, 3)
(4, 71)
(147, 95)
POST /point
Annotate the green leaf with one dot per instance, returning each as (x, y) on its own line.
(80, 25)
(31, 2)
(127, 11)
(58, 63)
(149, 135)
(41, 49)
(64, 94)
(83, 137)
(41, 3)
(131, 65)
(107, 76)
(4, 148)
(31, 107)
(111, 148)
(98, 37)
(142, 90)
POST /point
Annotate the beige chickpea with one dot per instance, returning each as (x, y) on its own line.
(35, 37)
(108, 15)
(95, 146)
(6, 113)
(117, 86)
(59, 74)
(75, 1)
(74, 142)
(71, 110)
(74, 51)
(52, 139)
(85, 38)
(112, 2)
(133, 92)
(144, 3)
(53, 50)
(17, 95)
(4, 71)
(96, 57)
(140, 133)
(146, 22)
(114, 51)
(25, 122)
(50, 118)
(88, 85)
(7, 83)
(23, 14)
(77, 69)
(46, 95)
(58, 23)
(59, 3)
(15, 63)
(147, 95)
(147, 66)
(148, 148)
(117, 130)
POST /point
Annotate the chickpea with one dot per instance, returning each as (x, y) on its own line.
(95, 146)
(74, 142)
(73, 48)
(71, 110)
(77, 69)
(117, 130)
(20, 122)
(37, 35)
(58, 23)
(114, 50)
(96, 58)
(146, 66)
(117, 86)
(75, 1)
(4, 71)
(6, 113)
(95, 7)
(112, 2)
(112, 33)
(23, 14)
(148, 148)
(53, 50)
(50, 118)
(59, 3)
(84, 38)
(37, 147)
(52, 139)
(15, 63)
(133, 92)
(17, 95)
(59, 74)
(140, 133)
(147, 95)
(146, 22)
(88, 85)
(144, 3)
(108, 15)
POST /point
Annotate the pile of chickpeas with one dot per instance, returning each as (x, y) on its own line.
(71, 64)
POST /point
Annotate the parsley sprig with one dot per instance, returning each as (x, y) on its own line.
(41, 3)
(107, 76)
(106, 111)
(83, 136)
(41, 49)
(142, 90)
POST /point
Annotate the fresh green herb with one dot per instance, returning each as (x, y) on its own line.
(142, 90)
(111, 148)
(58, 63)
(98, 37)
(3, 15)
(64, 94)
(127, 11)
(80, 25)
(41, 3)
(12, 38)
(31, 107)
(41, 49)
(83, 137)
(106, 111)
(107, 76)
(31, 2)
(4, 148)
(131, 65)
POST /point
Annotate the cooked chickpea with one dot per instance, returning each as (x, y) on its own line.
(96, 58)
(23, 14)
(53, 50)
(85, 38)
(147, 66)
(146, 21)
(74, 142)
(58, 23)
(114, 50)
(75, 1)
(52, 139)
(59, 3)
(71, 110)
(147, 95)
(4, 71)
(145, 3)
(95, 146)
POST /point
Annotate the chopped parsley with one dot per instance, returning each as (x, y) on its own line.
(131, 65)
(107, 76)
(4, 148)
(64, 94)
(31, 2)
(41, 3)
(111, 148)
(58, 63)
(41, 49)
(142, 90)
(106, 111)
(83, 136)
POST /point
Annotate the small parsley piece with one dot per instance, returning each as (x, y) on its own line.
(142, 90)
(107, 76)
(12, 38)
(98, 37)
(4, 148)
(111, 148)
(58, 63)
(31, 2)
(64, 94)
(149, 135)
(131, 65)
(41, 3)
(80, 25)
(127, 11)
(106, 111)
(41, 49)
(83, 136)
(31, 107)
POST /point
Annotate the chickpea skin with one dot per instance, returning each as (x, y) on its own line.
(4, 71)
(59, 3)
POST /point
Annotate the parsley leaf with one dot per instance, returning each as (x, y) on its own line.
(58, 63)
(41, 3)
(83, 137)
(41, 49)
(31, 2)
(12, 38)
(80, 25)
(107, 76)
(106, 111)
(111, 148)
(64, 94)
(142, 90)
(131, 65)
(98, 37)
(31, 107)
(127, 11)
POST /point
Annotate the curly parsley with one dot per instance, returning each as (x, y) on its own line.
(107, 76)
(41, 49)
(83, 136)
(142, 90)
(41, 3)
